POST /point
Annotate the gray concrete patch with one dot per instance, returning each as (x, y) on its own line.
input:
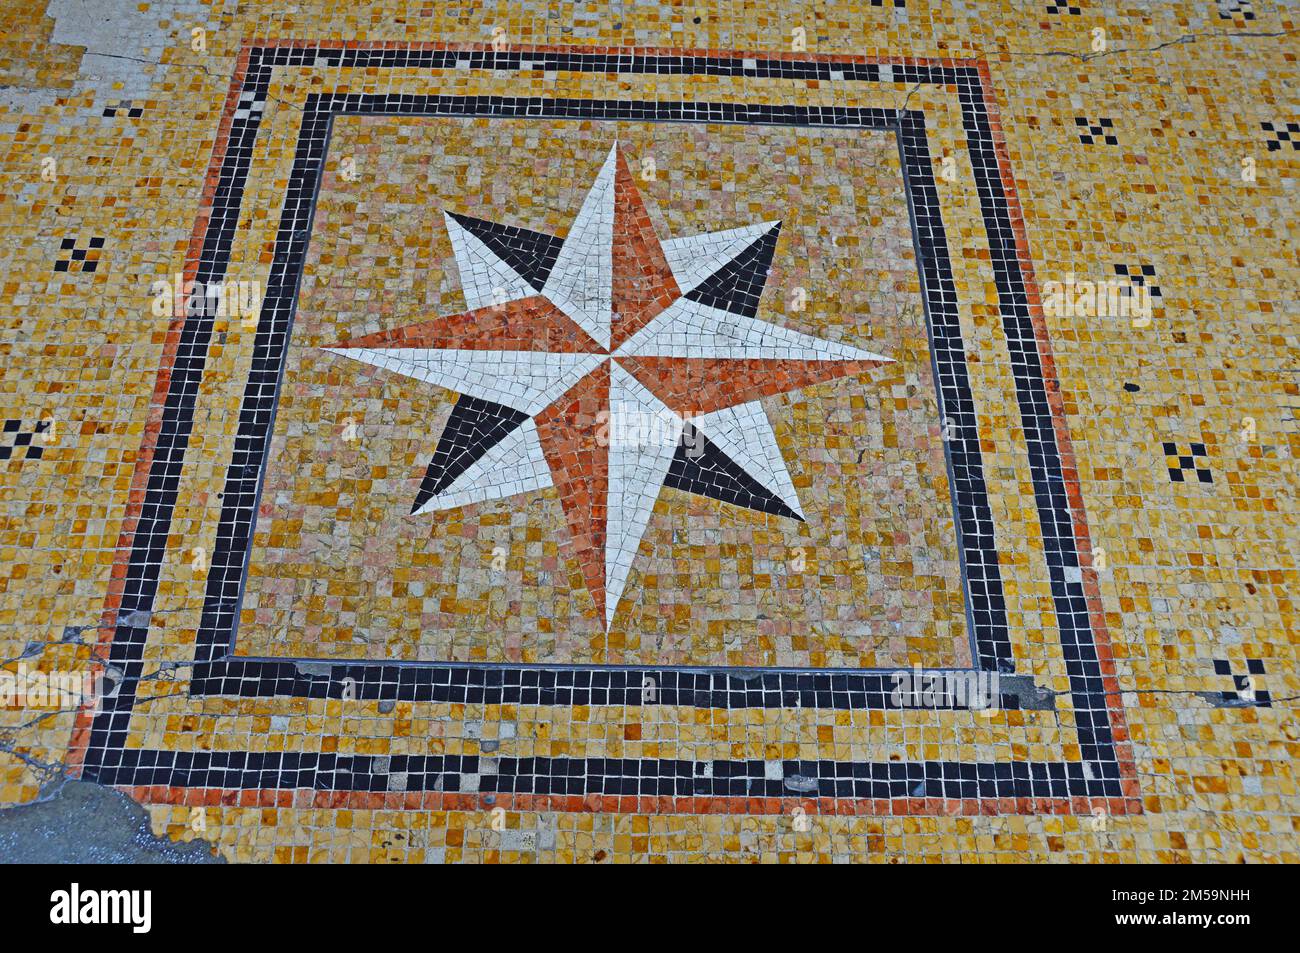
(89, 824)
(1227, 700)
(123, 45)
(1032, 697)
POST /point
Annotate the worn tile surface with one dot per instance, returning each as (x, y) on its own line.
(527, 433)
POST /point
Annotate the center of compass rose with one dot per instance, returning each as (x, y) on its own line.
(561, 332)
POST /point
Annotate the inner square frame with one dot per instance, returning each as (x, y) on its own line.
(1103, 777)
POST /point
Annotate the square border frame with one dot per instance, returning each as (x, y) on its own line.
(1104, 778)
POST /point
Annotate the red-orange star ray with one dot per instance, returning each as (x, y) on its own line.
(528, 324)
(698, 385)
(570, 431)
(643, 282)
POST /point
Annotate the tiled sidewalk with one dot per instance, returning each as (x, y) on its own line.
(863, 432)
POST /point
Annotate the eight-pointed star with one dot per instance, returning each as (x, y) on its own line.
(571, 346)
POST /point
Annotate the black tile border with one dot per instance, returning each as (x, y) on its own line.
(107, 758)
(982, 582)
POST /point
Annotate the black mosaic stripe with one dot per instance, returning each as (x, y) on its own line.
(738, 285)
(502, 685)
(531, 254)
(628, 62)
(473, 428)
(109, 760)
(986, 605)
(148, 548)
(701, 468)
(645, 777)
(1056, 519)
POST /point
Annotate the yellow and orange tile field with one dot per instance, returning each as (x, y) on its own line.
(548, 433)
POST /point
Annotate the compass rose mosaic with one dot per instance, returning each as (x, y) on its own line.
(609, 364)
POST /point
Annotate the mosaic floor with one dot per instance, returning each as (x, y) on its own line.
(531, 433)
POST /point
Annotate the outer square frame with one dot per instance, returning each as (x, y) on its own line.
(1104, 777)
